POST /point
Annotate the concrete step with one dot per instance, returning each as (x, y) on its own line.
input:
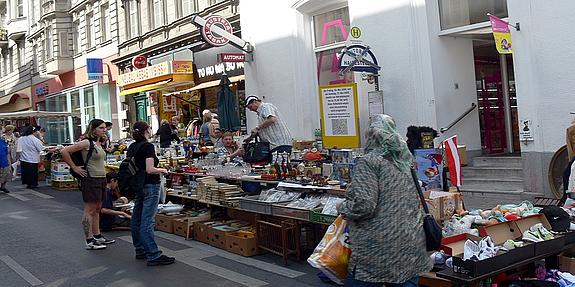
(475, 183)
(487, 199)
(498, 161)
(491, 172)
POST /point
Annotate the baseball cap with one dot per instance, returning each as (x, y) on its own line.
(251, 98)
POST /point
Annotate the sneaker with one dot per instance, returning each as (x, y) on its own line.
(532, 236)
(140, 256)
(95, 245)
(543, 232)
(104, 240)
(162, 260)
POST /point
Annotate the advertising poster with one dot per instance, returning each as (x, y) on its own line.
(429, 168)
(501, 34)
(339, 115)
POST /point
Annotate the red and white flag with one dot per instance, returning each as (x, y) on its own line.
(453, 162)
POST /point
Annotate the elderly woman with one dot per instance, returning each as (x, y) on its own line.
(384, 213)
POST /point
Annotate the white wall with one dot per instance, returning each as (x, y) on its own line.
(544, 61)
(452, 64)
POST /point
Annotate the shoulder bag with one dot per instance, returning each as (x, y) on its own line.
(430, 226)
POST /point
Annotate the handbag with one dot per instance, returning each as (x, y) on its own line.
(257, 151)
(430, 226)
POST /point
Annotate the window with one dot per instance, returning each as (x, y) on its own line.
(458, 13)
(90, 31)
(187, 7)
(76, 36)
(64, 46)
(43, 57)
(214, 2)
(157, 13)
(12, 60)
(105, 22)
(331, 29)
(133, 20)
(48, 42)
(35, 68)
(20, 8)
(89, 106)
(4, 64)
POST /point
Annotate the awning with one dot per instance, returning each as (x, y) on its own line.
(145, 88)
(216, 82)
(12, 99)
(37, 114)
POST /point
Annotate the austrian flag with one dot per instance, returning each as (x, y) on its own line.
(453, 162)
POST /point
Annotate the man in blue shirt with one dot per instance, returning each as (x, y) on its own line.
(5, 170)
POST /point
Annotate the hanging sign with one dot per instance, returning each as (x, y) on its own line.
(339, 115)
(501, 34)
(140, 61)
(214, 38)
(95, 69)
(358, 58)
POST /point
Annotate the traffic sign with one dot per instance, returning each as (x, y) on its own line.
(358, 58)
(355, 32)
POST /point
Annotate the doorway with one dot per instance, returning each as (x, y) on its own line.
(497, 100)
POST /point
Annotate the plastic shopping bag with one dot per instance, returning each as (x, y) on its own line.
(332, 254)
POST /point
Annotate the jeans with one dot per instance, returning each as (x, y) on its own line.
(143, 221)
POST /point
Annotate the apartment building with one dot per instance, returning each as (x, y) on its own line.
(162, 33)
(63, 37)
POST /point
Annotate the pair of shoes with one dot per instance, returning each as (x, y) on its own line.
(537, 233)
(104, 240)
(140, 256)
(511, 244)
(95, 245)
(162, 260)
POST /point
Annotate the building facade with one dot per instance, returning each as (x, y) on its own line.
(437, 58)
(163, 33)
(63, 36)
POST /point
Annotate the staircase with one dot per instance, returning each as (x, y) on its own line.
(490, 181)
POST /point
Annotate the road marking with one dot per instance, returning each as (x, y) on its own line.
(87, 273)
(39, 194)
(186, 256)
(31, 279)
(272, 268)
(18, 196)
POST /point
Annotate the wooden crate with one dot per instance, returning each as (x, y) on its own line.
(65, 185)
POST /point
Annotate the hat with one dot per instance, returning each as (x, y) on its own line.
(205, 112)
(251, 98)
(557, 217)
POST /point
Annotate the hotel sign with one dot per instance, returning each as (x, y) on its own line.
(154, 71)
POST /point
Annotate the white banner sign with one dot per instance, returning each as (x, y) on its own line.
(339, 111)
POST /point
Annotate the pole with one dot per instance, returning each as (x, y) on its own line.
(506, 103)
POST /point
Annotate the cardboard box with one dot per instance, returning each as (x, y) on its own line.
(183, 228)
(218, 235)
(202, 230)
(442, 205)
(545, 247)
(165, 223)
(462, 152)
(454, 245)
(242, 242)
(60, 167)
(566, 261)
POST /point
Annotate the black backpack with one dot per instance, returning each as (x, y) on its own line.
(131, 178)
(78, 159)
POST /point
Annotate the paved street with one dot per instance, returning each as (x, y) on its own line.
(42, 245)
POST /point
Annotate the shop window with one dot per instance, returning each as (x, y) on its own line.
(330, 33)
(75, 106)
(89, 107)
(458, 13)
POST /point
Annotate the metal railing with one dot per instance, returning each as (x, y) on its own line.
(473, 106)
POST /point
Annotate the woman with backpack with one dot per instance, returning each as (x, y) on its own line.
(92, 177)
(146, 200)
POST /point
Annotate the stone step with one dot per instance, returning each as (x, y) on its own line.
(491, 172)
(487, 199)
(498, 161)
(475, 183)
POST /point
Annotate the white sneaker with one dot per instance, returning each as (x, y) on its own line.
(94, 245)
(104, 240)
(532, 236)
(543, 232)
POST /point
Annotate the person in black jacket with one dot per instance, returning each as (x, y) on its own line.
(167, 134)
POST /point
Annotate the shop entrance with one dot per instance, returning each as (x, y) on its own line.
(497, 99)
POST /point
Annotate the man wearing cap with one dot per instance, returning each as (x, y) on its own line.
(271, 127)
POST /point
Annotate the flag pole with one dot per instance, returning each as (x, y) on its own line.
(516, 26)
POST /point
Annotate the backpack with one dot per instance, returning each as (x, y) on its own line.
(131, 179)
(78, 159)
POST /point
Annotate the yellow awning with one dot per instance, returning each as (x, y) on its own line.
(145, 88)
(217, 82)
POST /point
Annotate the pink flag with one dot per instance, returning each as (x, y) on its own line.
(453, 162)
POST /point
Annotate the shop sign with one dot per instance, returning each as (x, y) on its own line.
(150, 72)
(140, 61)
(95, 69)
(525, 133)
(208, 33)
(209, 69)
(232, 57)
(182, 67)
(41, 90)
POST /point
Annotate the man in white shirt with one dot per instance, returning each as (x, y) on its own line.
(271, 126)
(31, 147)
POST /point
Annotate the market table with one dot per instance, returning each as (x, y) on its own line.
(460, 279)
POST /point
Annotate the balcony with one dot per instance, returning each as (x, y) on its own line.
(59, 65)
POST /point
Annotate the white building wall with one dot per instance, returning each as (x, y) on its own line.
(543, 60)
